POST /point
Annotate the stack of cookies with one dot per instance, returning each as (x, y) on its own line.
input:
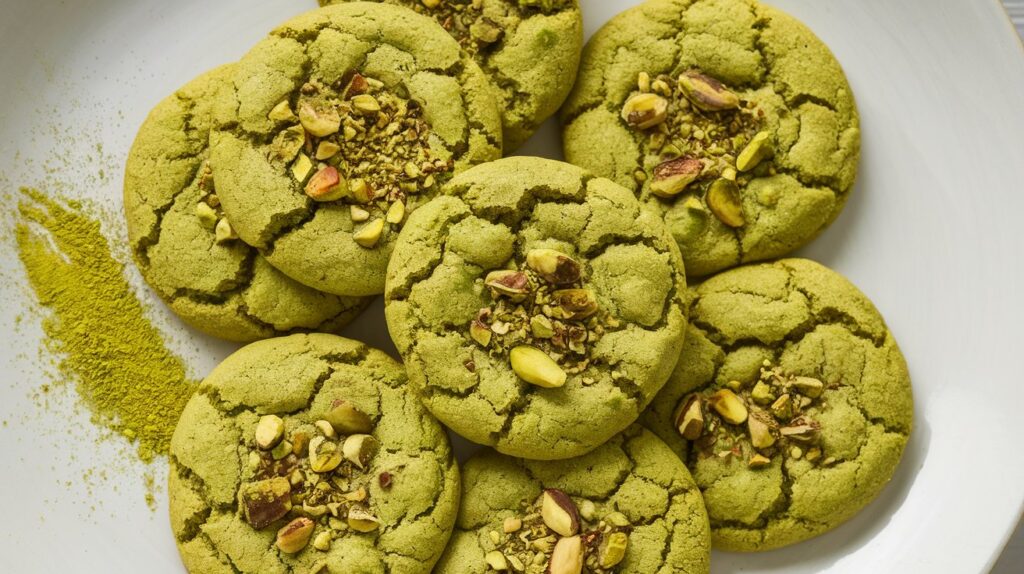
(632, 420)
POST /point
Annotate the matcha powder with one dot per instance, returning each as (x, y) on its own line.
(97, 327)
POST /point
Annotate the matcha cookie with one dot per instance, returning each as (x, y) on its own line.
(306, 454)
(529, 48)
(338, 125)
(538, 308)
(728, 117)
(186, 249)
(627, 507)
(791, 403)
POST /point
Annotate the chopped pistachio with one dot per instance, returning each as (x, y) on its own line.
(282, 112)
(760, 430)
(359, 449)
(644, 111)
(348, 419)
(496, 560)
(358, 213)
(559, 512)
(361, 519)
(511, 524)
(324, 456)
(327, 150)
(759, 461)
(782, 408)
(762, 393)
(729, 406)
(808, 386)
(283, 449)
(554, 266)
(512, 284)
(396, 213)
(536, 367)
(295, 535)
(672, 177)
(287, 144)
(690, 418)
(302, 167)
(319, 123)
(707, 93)
(612, 549)
(224, 232)
(265, 501)
(575, 303)
(758, 150)
(322, 542)
(325, 428)
(724, 200)
(366, 104)
(541, 327)
(567, 557)
(617, 519)
(206, 214)
(370, 234)
(269, 431)
(326, 185)
(480, 333)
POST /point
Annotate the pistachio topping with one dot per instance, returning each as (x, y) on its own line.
(707, 93)
(536, 367)
(559, 512)
(673, 176)
(269, 431)
(757, 421)
(724, 200)
(295, 535)
(644, 111)
(466, 22)
(346, 418)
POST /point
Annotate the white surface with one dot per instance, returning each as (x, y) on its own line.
(931, 234)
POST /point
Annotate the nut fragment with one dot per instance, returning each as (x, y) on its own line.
(496, 560)
(758, 150)
(431, 3)
(325, 428)
(485, 31)
(559, 512)
(612, 549)
(575, 303)
(301, 168)
(361, 519)
(536, 367)
(541, 327)
(323, 455)
(322, 542)
(759, 461)
(808, 386)
(224, 232)
(644, 111)
(358, 213)
(511, 524)
(346, 418)
(327, 150)
(366, 104)
(801, 429)
(359, 449)
(266, 501)
(617, 519)
(690, 418)
(269, 431)
(396, 213)
(554, 266)
(361, 190)
(295, 535)
(319, 123)
(673, 176)
(762, 393)
(282, 450)
(782, 408)
(729, 406)
(282, 112)
(512, 284)
(480, 332)
(206, 214)
(370, 234)
(287, 144)
(724, 201)
(760, 430)
(326, 185)
(567, 557)
(707, 93)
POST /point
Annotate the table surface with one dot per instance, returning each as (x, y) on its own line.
(1012, 560)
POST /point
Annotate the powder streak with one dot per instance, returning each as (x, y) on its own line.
(107, 346)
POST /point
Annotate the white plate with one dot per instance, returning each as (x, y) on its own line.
(932, 234)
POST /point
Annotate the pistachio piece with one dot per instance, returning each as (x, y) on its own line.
(319, 123)
(301, 168)
(361, 519)
(396, 213)
(673, 176)
(496, 560)
(206, 214)
(536, 367)
(512, 284)
(612, 549)
(511, 524)
(762, 393)
(327, 150)
(323, 455)
(325, 428)
(617, 519)
(326, 185)
(480, 332)
(644, 111)
(224, 232)
(431, 3)
(758, 150)
(516, 563)
(282, 112)
(283, 449)
(322, 542)
(359, 449)
(729, 406)
(587, 509)
(370, 234)
(760, 430)
(567, 557)
(366, 104)
(554, 266)
(559, 512)
(541, 327)
(361, 190)
(287, 144)
(808, 386)
(801, 429)
(358, 213)
(357, 495)
(724, 200)
(813, 454)
(575, 303)
(346, 418)
(269, 431)
(266, 501)
(485, 31)
(759, 461)
(300, 443)
(782, 408)
(357, 85)
(690, 418)
(295, 535)
(707, 93)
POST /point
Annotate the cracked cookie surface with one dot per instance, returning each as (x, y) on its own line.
(595, 343)
(407, 490)
(216, 284)
(765, 81)
(530, 49)
(634, 475)
(799, 320)
(339, 124)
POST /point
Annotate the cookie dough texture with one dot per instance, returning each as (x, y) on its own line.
(766, 57)
(297, 378)
(810, 321)
(492, 216)
(223, 289)
(634, 473)
(309, 241)
(534, 61)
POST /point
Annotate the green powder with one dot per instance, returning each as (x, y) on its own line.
(97, 327)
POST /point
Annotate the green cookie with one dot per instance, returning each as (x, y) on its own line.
(791, 403)
(530, 49)
(538, 308)
(628, 507)
(306, 454)
(339, 124)
(186, 249)
(728, 117)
